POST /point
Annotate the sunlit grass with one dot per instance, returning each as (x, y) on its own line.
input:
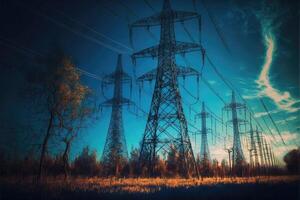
(147, 185)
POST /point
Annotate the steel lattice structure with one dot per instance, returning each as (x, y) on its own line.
(166, 123)
(238, 159)
(115, 149)
(204, 150)
(260, 147)
(253, 150)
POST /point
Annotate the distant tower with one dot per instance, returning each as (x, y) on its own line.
(204, 150)
(115, 149)
(264, 152)
(238, 159)
(253, 150)
(166, 124)
(272, 157)
(268, 154)
(260, 147)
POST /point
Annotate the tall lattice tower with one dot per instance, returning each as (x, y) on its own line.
(238, 159)
(204, 150)
(166, 124)
(115, 149)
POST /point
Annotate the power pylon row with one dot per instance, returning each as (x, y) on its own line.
(166, 126)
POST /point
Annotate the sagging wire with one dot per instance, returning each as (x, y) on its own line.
(130, 89)
(91, 29)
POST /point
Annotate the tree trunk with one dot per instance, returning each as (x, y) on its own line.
(66, 158)
(44, 147)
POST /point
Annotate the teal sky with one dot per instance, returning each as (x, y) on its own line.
(244, 27)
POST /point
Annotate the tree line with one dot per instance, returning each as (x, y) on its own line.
(86, 164)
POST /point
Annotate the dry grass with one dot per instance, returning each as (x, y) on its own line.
(148, 185)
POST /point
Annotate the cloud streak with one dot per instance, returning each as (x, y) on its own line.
(262, 114)
(282, 99)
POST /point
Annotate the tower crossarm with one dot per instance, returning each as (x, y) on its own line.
(178, 48)
(182, 71)
(110, 78)
(155, 20)
(241, 121)
(187, 71)
(112, 101)
(202, 114)
(234, 105)
(180, 16)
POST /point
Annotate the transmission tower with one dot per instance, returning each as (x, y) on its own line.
(238, 159)
(253, 150)
(268, 154)
(115, 149)
(272, 157)
(264, 152)
(166, 123)
(228, 150)
(204, 150)
(260, 147)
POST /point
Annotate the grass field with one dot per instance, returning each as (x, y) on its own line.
(275, 187)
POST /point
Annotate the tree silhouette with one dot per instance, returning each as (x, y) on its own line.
(86, 163)
(292, 161)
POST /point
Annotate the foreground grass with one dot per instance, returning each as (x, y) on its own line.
(274, 187)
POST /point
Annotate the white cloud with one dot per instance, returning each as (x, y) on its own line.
(291, 139)
(284, 121)
(287, 136)
(282, 99)
(261, 114)
(212, 82)
(217, 152)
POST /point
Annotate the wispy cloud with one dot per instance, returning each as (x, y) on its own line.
(252, 93)
(290, 118)
(262, 114)
(212, 82)
(282, 99)
(287, 136)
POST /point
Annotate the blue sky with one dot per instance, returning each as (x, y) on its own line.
(244, 26)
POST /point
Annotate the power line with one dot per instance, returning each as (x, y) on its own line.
(212, 89)
(92, 29)
(266, 109)
(150, 6)
(11, 44)
(33, 52)
(218, 30)
(66, 27)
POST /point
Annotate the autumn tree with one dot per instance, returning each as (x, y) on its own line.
(78, 109)
(215, 167)
(55, 88)
(134, 162)
(224, 168)
(86, 163)
(172, 162)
